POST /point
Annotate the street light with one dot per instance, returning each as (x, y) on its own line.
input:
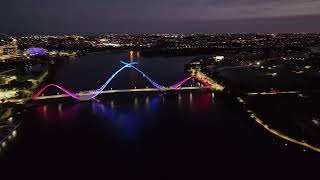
(4, 144)
(10, 119)
(14, 133)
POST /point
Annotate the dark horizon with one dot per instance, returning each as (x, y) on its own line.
(177, 16)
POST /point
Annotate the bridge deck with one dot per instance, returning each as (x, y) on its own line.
(123, 91)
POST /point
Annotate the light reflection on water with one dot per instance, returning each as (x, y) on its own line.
(58, 113)
(123, 121)
(126, 119)
(126, 116)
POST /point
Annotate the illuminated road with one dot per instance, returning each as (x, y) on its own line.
(1, 73)
(275, 132)
(207, 81)
(82, 93)
(273, 93)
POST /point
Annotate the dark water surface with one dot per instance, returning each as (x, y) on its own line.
(147, 135)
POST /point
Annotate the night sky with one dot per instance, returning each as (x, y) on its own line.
(150, 16)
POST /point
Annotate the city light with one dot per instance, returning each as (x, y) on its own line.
(221, 95)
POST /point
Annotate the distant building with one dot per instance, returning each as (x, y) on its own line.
(315, 50)
(9, 49)
(218, 58)
(35, 51)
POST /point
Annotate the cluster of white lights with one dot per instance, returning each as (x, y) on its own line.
(4, 142)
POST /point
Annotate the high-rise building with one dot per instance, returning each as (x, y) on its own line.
(10, 49)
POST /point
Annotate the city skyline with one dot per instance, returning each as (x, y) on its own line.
(168, 89)
(160, 104)
(178, 16)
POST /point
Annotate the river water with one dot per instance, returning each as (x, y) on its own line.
(147, 135)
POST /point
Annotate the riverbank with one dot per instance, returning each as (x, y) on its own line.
(291, 118)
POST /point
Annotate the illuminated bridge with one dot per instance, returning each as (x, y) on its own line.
(89, 95)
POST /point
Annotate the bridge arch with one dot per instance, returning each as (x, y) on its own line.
(158, 86)
(98, 91)
(74, 95)
(179, 84)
